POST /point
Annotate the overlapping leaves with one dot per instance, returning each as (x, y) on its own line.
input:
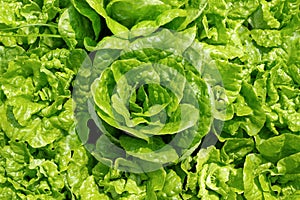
(150, 102)
(255, 46)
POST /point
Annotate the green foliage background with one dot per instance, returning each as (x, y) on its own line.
(255, 45)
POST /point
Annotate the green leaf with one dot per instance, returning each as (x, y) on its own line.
(83, 8)
(113, 25)
(129, 13)
(155, 150)
(73, 27)
(266, 38)
(173, 185)
(255, 119)
(278, 147)
(89, 189)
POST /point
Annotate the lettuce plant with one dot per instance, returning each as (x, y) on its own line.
(164, 99)
(149, 104)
